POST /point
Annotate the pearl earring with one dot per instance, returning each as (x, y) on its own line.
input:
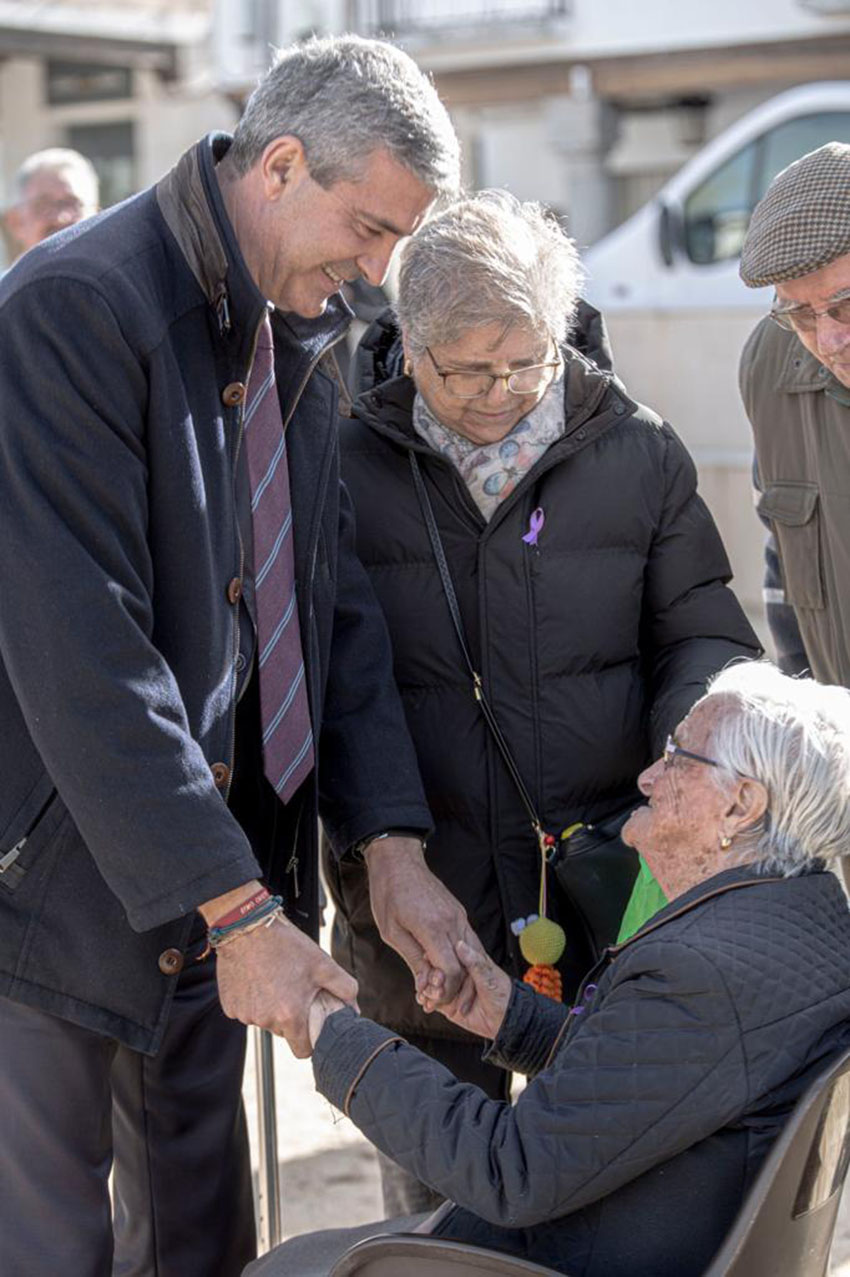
(407, 368)
(725, 843)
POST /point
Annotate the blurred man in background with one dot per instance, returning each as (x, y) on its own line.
(52, 189)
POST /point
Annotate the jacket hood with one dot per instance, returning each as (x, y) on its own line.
(380, 357)
(594, 399)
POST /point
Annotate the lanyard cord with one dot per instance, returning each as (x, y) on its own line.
(544, 840)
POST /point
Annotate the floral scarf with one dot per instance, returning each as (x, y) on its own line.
(491, 471)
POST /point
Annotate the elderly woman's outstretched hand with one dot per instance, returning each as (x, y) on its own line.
(483, 1000)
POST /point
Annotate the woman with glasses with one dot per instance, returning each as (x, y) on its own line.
(589, 577)
(653, 1102)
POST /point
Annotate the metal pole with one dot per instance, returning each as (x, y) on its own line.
(269, 1224)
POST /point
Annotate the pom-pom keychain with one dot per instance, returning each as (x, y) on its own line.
(542, 941)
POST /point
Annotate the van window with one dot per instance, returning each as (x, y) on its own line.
(717, 212)
(788, 141)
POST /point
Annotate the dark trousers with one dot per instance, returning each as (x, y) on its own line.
(70, 1100)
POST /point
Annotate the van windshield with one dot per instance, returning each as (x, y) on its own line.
(717, 212)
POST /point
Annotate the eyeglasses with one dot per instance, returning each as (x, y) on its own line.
(671, 749)
(802, 319)
(474, 385)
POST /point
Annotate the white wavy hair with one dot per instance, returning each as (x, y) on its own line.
(793, 735)
(487, 259)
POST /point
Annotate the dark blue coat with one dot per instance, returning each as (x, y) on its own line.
(118, 634)
(649, 1114)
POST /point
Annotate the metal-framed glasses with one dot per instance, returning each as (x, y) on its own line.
(671, 750)
(474, 385)
(802, 319)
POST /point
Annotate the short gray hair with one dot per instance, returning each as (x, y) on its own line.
(344, 98)
(487, 259)
(793, 735)
(59, 159)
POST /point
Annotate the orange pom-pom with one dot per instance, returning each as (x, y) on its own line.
(546, 980)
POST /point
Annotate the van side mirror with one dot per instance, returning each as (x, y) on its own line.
(669, 232)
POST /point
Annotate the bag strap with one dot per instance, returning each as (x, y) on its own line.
(477, 685)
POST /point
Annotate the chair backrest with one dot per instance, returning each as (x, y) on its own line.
(785, 1226)
(423, 1256)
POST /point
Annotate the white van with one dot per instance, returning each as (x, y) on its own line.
(667, 282)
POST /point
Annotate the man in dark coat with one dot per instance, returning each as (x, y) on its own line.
(593, 635)
(150, 780)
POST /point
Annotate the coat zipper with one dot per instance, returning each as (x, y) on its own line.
(9, 857)
(292, 864)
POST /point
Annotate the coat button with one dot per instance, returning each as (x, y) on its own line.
(220, 774)
(170, 962)
(234, 590)
(233, 394)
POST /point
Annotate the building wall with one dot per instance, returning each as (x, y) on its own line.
(166, 118)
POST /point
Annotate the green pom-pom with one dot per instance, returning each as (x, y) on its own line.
(542, 941)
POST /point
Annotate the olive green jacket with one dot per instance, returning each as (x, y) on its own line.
(800, 417)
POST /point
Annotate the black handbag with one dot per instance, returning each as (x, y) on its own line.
(597, 871)
(589, 863)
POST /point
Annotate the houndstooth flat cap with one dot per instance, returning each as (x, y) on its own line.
(803, 221)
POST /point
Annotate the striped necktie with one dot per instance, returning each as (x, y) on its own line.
(285, 714)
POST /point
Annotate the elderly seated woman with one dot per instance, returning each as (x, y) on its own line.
(653, 1103)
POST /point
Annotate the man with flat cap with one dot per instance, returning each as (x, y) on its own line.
(795, 383)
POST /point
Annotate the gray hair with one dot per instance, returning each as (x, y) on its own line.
(487, 259)
(793, 735)
(59, 159)
(344, 98)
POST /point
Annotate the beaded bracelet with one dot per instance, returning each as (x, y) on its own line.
(262, 915)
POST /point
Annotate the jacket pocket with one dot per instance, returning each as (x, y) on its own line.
(794, 511)
(19, 851)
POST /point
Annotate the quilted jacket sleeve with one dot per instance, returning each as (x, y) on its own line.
(693, 624)
(369, 776)
(654, 1066)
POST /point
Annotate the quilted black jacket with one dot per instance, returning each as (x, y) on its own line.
(650, 1108)
(592, 645)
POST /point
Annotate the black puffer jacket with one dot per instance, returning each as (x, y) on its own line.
(592, 646)
(650, 1114)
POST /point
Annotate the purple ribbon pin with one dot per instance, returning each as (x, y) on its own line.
(535, 526)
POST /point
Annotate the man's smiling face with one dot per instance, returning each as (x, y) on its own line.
(314, 238)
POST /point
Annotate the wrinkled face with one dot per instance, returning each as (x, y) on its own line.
(313, 238)
(678, 832)
(52, 200)
(829, 339)
(492, 349)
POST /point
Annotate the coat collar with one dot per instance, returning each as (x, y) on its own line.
(190, 200)
(735, 879)
(800, 372)
(594, 401)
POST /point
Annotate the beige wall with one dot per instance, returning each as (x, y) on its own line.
(685, 366)
(167, 118)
